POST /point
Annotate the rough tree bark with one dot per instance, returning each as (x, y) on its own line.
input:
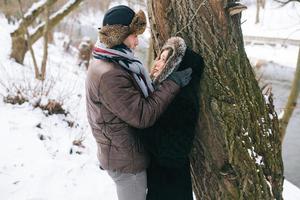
(237, 150)
(55, 18)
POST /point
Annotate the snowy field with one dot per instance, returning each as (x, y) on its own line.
(38, 157)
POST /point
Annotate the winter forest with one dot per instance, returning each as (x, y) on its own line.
(246, 142)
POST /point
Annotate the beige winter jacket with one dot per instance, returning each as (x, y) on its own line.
(115, 107)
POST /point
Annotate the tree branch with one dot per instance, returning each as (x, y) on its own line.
(292, 101)
(45, 34)
(36, 69)
(55, 19)
(31, 15)
(286, 2)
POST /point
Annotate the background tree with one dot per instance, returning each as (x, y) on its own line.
(294, 93)
(29, 44)
(292, 100)
(237, 150)
(45, 50)
(284, 2)
(259, 4)
(19, 43)
(104, 4)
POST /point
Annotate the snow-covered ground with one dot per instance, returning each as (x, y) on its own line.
(275, 21)
(37, 163)
(38, 160)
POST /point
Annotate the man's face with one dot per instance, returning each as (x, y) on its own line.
(132, 41)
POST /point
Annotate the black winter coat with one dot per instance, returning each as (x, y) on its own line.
(169, 140)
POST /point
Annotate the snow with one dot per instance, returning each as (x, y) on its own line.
(290, 191)
(45, 169)
(258, 160)
(38, 159)
(36, 169)
(5, 38)
(254, 155)
(35, 158)
(274, 21)
(54, 15)
(284, 56)
(34, 7)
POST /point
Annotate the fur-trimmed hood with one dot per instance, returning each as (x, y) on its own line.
(112, 35)
(178, 46)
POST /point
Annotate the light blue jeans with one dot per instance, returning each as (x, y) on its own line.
(130, 186)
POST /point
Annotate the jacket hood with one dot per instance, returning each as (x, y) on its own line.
(178, 46)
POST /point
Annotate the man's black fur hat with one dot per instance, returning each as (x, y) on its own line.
(118, 23)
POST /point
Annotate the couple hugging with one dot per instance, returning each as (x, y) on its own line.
(143, 123)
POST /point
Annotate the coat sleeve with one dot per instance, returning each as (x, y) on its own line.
(171, 138)
(119, 94)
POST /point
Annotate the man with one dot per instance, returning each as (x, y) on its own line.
(120, 97)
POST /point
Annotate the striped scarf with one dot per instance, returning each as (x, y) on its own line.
(125, 58)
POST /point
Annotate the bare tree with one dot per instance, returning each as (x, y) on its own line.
(45, 35)
(259, 4)
(36, 69)
(292, 100)
(11, 9)
(284, 2)
(19, 43)
(237, 149)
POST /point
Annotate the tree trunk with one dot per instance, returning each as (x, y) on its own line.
(19, 48)
(36, 69)
(31, 16)
(45, 34)
(56, 18)
(292, 100)
(258, 2)
(237, 150)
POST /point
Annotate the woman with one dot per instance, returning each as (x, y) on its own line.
(169, 141)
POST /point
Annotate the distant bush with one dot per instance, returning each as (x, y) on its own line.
(53, 107)
(15, 99)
